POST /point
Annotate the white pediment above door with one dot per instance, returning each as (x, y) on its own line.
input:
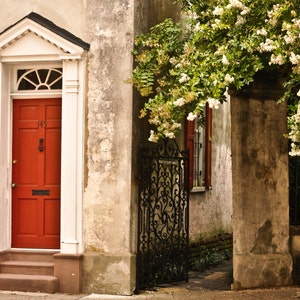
(33, 45)
(36, 36)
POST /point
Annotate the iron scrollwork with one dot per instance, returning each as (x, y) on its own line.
(163, 206)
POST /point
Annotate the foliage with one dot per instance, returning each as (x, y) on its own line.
(210, 252)
(210, 259)
(218, 45)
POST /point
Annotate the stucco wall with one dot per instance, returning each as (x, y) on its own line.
(260, 186)
(211, 211)
(108, 266)
(62, 13)
(109, 209)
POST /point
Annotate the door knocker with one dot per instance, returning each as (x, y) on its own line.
(41, 146)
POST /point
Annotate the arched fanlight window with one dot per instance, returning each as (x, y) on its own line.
(39, 79)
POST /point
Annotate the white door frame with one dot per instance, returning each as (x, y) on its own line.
(56, 51)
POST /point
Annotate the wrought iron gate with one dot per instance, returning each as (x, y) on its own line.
(163, 214)
(294, 190)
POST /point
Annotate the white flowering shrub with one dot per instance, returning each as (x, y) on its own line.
(219, 45)
(294, 133)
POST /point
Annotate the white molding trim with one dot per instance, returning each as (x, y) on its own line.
(72, 59)
(22, 28)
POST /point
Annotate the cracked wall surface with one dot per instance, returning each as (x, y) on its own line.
(109, 205)
(260, 186)
(211, 210)
(107, 197)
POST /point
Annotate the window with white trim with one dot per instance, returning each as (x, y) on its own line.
(39, 79)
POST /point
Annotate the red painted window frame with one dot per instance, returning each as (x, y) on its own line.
(189, 141)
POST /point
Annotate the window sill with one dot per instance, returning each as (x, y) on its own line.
(198, 189)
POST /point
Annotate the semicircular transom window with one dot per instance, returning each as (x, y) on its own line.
(39, 79)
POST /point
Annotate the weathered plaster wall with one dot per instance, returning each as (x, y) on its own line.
(260, 187)
(108, 261)
(211, 211)
(161, 9)
(110, 194)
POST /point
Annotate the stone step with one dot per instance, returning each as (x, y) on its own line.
(27, 267)
(28, 283)
(30, 255)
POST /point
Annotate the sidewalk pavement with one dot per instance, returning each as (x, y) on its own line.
(213, 284)
(288, 293)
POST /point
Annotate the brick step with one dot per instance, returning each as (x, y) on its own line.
(28, 283)
(27, 267)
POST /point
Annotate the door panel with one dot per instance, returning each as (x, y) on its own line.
(52, 208)
(36, 173)
(52, 159)
(27, 209)
(27, 156)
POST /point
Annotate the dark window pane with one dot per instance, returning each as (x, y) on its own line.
(43, 74)
(26, 85)
(43, 87)
(41, 79)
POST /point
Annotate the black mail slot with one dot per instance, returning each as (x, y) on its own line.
(40, 192)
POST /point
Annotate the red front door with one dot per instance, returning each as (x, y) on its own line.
(36, 173)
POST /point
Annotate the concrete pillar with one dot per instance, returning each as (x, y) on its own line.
(260, 187)
(295, 251)
(108, 205)
(109, 200)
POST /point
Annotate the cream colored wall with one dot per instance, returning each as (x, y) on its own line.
(211, 211)
(67, 14)
(108, 223)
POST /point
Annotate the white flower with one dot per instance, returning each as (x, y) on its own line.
(173, 60)
(192, 15)
(295, 151)
(213, 103)
(153, 137)
(245, 11)
(176, 126)
(277, 60)
(235, 3)
(226, 94)
(289, 39)
(262, 31)
(155, 121)
(229, 78)
(169, 135)
(298, 94)
(191, 117)
(294, 59)
(218, 11)
(225, 60)
(296, 22)
(179, 102)
(240, 20)
(184, 78)
(216, 24)
(267, 46)
(197, 27)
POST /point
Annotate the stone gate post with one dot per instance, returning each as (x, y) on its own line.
(260, 187)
